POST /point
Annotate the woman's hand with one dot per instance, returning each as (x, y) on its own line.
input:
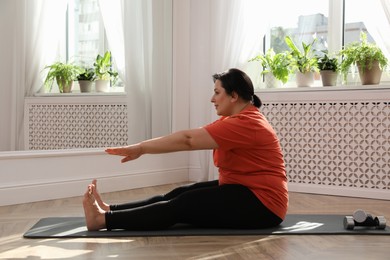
(130, 152)
(185, 140)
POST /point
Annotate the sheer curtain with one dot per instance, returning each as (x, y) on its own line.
(112, 15)
(237, 32)
(378, 25)
(35, 41)
(386, 11)
(139, 36)
(234, 36)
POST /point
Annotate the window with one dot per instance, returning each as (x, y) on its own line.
(305, 20)
(85, 35)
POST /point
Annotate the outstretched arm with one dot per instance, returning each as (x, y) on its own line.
(186, 140)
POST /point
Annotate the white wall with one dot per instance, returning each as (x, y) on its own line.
(7, 12)
(27, 176)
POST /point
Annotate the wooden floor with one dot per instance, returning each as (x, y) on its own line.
(17, 219)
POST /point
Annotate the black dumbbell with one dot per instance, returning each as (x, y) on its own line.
(362, 219)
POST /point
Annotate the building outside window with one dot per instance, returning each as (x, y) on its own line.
(86, 37)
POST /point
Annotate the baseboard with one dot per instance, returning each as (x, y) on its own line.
(37, 176)
(339, 191)
(77, 187)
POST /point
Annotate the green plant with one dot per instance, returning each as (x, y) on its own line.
(327, 63)
(87, 74)
(103, 68)
(63, 73)
(275, 63)
(361, 53)
(303, 61)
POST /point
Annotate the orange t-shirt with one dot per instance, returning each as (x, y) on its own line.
(249, 154)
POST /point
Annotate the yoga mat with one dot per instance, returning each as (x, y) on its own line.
(295, 224)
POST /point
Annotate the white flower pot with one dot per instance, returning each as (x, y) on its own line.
(271, 81)
(305, 79)
(102, 85)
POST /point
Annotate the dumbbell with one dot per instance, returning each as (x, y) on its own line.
(362, 219)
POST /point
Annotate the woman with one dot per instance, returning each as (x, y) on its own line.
(252, 188)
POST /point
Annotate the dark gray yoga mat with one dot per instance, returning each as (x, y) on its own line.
(294, 224)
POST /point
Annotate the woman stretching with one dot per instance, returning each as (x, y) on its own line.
(251, 191)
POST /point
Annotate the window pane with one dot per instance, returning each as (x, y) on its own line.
(370, 18)
(302, 20)
(86, 32)
(359, 17)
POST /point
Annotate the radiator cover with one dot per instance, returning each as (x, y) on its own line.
(340, 143)
(75, 122)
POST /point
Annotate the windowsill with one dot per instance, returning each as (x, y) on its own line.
(327, 88)
(78, 94)
(113, 91)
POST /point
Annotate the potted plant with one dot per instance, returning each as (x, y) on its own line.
(104, 73)
(276, 67)
(329, 67)
(368, 57)
(85, 79)
(64, 74)
(303, 62)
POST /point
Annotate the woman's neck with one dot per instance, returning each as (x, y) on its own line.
(240, 107)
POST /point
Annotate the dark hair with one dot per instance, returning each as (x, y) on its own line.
(235, 80)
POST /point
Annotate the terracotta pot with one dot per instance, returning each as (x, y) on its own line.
(85, 86)
(370, 76)
(64, 88)
(68, 88)
(328, 77)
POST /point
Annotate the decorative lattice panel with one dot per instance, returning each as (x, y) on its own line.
(344, 144)
(64, 126)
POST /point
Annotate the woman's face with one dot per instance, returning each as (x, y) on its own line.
(221, 100)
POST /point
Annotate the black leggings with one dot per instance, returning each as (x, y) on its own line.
(203, 204)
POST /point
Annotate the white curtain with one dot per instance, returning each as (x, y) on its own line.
(112, 15)
(234, 36)
(35, 40)
(139, 36)
(378, 25)
(237, 32)
(383, 26)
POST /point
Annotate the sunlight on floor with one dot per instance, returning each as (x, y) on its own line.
(56, 248)
(231, 252)
(43, 252)
(95, 240)
(9, 239)
(301, 226)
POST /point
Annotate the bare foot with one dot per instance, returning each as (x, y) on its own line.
(94, 215)
(104, 206)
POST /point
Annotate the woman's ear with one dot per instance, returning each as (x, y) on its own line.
(234, 96)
